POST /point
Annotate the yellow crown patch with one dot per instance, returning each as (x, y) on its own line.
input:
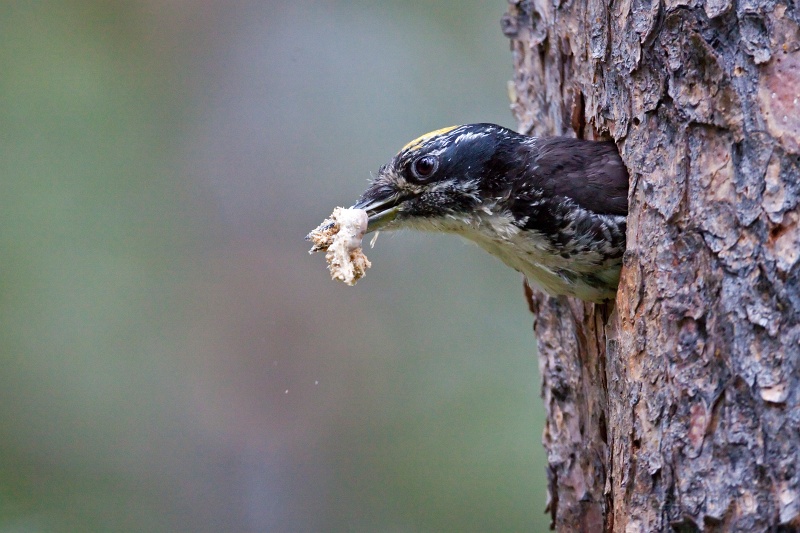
(416, 143)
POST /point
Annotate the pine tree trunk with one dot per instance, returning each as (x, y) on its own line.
(679, 407)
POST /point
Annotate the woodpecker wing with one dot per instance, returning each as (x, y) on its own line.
(590, 173)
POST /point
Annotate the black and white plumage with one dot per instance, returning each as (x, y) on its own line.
(552, 208)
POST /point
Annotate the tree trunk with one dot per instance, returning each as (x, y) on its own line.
(678, 408)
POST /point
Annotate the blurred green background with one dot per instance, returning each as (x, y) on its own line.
(172, 358)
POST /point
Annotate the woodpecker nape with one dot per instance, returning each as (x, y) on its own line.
(552, 208)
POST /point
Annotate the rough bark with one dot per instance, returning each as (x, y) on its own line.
(680, 409)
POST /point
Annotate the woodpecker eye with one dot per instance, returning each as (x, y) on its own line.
(424, 167)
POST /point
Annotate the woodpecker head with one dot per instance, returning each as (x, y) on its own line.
(441, 178)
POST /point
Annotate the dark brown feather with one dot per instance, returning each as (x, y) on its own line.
(591, 173)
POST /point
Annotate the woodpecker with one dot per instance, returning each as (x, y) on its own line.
(552, 208)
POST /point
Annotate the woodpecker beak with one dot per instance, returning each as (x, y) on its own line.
(382, 206)
(381, 210)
